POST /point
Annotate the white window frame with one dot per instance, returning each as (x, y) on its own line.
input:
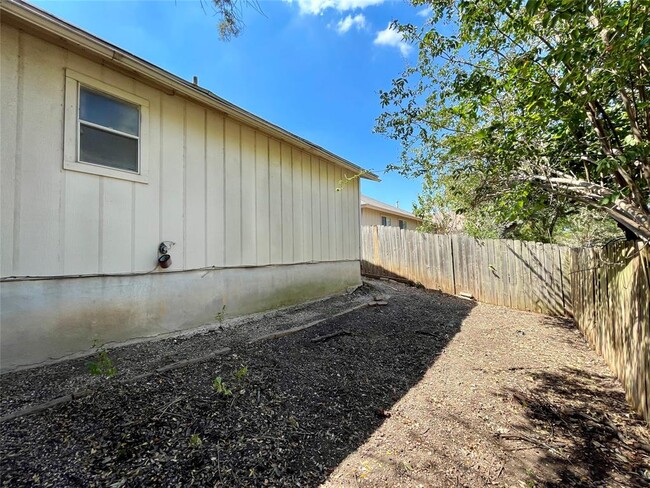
(71, 153)
(402, 224)
(388, 221)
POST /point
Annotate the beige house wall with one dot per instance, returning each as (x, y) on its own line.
(257, 222)
(226, 194)
(370, 216)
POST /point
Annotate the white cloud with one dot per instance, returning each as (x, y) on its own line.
(393, 38)
(426, 12)
(344, 25)
(316, 7)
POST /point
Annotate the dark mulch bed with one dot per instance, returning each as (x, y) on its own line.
(25, 388)
(407, 398)
(301, 408)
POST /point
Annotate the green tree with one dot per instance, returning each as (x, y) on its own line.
(496, 214)
(543, 105)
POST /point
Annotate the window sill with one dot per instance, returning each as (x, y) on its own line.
(105, 171)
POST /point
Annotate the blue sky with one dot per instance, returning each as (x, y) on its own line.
(313, 67)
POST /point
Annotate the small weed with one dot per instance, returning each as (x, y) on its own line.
(102, 366)
(241, 373)
(531, 482)
(195, 440)
(220, 316)
(220, 387)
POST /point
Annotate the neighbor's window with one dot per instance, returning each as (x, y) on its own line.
(385, 220)
(105, 128)
(402, 224)
(109, 130)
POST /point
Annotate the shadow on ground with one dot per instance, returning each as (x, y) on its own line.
(292, 415)
(583, 429)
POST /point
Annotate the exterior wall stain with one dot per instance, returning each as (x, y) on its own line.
(48, 319)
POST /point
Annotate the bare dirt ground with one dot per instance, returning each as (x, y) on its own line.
(429, 390)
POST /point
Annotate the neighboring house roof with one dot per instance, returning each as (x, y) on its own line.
(33, 19)
(367, 202)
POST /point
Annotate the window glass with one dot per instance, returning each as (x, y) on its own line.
(109, 149)
(109, 112)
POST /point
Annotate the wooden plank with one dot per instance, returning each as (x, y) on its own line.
(215, 190)
(499, 273)
(475, 253)
(195, 192)
(435, 250)
(509, 262)
(262, 200)
(287, 203)
(441, 272)
(523, 277)
(419, 254)
(564, 269)
(450, 265)
(537, 255)
(326, 253)
(516, 290)
(479, 268)
(233, 193)
(171, 178)
(316, 211)
(459, 268)
(485, 280)
(546, 259)
(426, 259)
(296, 210)
(275, 202)
(644, 320)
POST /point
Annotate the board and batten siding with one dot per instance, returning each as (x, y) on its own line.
(226, 194)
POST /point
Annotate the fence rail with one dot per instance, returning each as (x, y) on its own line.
(521, 275)
(606, 291)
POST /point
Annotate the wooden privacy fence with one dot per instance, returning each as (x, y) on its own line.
(611, 305)
(606, 290)
(521, 275)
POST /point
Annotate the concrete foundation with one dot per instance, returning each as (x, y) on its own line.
(47, 319)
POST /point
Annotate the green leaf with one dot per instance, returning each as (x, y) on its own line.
(532, 6)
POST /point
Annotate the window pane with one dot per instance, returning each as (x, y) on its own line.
(108, 149)
(109, 112)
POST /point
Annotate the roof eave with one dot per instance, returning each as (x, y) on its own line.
(34, 16)
(401, 213)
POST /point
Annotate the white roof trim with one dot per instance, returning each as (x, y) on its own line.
(368, 202)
